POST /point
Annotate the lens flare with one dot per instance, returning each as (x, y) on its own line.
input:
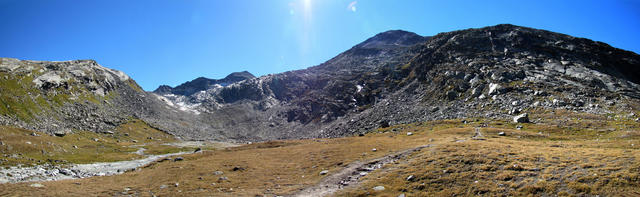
(352, 6)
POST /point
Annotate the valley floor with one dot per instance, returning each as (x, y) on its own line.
(562, 153)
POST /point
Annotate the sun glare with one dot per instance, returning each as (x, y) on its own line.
(307, 5)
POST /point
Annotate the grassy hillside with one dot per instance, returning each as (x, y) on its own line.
(27, 147)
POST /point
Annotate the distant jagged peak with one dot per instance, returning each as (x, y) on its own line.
(394, 38)
(203, 83)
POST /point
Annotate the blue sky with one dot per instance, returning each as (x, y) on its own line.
(172, 41)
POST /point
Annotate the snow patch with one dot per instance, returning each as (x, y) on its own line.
(180, 102)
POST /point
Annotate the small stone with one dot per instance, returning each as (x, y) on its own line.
(519, 127)
(494, 88)
(410, 178)
(28, 142)
(163, 186)
(176, 184)
(237, 168)
(126, 134)
(401, 195)
(178, 159)
(66, 172)
(218, 173)
(409, 134)
(108, 132)
(95, 139)
(74, 146)
(223, 178)
(536, 104)
(374, 150)
(37, 185)
(378, 188)
(452, 95)
(384, 123)
(324, 172)
(134, 141)
(558, 103)
(34, 134)
(502, 133)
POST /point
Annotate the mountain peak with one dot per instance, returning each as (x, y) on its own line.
(203, 83)
(240, 76)
(392, 37)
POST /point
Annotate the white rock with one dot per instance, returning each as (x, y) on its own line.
(37, 185)
(50, 77)
(378, 188)
(494, 88)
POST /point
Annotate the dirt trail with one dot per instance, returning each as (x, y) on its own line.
(351, 174)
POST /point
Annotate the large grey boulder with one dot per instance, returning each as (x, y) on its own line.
(522, 118)
(61, 132)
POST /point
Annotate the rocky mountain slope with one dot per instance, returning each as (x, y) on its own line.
(400, 77)
(392, 78)
(69, 96)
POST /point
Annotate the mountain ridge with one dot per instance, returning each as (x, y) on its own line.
(392, 78)
(203, 83)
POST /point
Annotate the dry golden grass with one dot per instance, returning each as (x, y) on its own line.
(23, 148)
(278, 167)
(541, 159)
(525, 162)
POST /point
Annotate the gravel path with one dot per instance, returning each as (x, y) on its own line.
(351, 174)
(74, 171)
